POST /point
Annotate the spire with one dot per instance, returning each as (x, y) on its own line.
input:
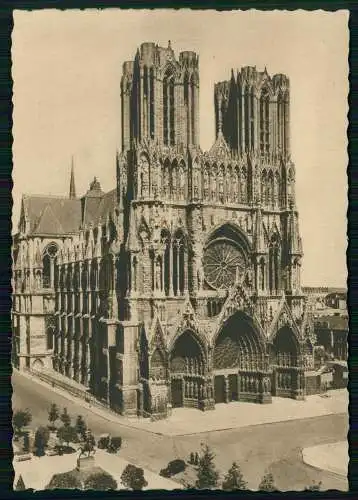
(72, 182)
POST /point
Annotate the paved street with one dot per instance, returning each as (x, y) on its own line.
(271, 446)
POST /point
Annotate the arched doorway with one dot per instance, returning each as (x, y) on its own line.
(284, 359)
(187, 361)
(238, 361)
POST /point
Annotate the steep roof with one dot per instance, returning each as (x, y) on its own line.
(57, 215)
(52, 214)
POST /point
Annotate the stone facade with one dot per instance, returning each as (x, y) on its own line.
(181, 287)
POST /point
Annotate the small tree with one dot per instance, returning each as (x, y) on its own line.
(234, 479)
(65, 418)
(20, 419)
(53, 415)
(192, 458)
(101, 481)
(67, 435)
(42, 436)
(26, 443)
(20, 485)
(314, 487)
(267, 483)
(196, 458)
(133, 478)
(207, 473)
(115, 444)
(81, 426)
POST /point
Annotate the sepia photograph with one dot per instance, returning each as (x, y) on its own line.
(179, 310)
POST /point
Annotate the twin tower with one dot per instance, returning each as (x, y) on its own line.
(160, 101)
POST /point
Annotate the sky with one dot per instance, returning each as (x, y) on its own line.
(67, 68)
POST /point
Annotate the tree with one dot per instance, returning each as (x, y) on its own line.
(20, 485)
(133, 478)
(64, 481)
(267, 483)
(53, 415)
(234, 479)
(65, 418)
(42, 436)
(207, 473)
(81, 426)
(192, 458)
(100, 481)
(67, 435)
(26, 443)
(20, 419)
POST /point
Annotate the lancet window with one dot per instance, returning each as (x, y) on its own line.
(168, 109)
(274, 264)
(49, 260)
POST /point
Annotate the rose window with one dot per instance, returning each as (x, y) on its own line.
(223, 261)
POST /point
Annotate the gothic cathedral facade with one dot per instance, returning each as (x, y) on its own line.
(181, 286)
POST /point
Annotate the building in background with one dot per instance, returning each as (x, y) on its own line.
(181, 286)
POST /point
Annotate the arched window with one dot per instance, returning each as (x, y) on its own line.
(270, 190)
(48, 262)
(264, 122)
(179, 263)
(262, 273)
(263, 187)
(192, 111)
(247, 118)
(274, 264)
(165, 239)
(168, 108)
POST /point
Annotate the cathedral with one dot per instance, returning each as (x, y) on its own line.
(181, 286)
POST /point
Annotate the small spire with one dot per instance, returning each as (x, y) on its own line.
(169, 44)
(72, 181)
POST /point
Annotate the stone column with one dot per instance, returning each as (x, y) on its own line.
(185, 270)
(171, 268)
(178, 267)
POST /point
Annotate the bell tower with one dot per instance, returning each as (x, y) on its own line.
(160, 97)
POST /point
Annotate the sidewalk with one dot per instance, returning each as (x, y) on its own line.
(38, 472)
(186, 421)
(332, 457)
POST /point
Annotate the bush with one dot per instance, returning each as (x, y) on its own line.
(42, 436)
(101, 481)
(67, 435)
(104, 442)
(20, 419)
(173, 467)
(267, 483)
(61, 449)
(133, 478)
(115, 444)
(64, 481)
